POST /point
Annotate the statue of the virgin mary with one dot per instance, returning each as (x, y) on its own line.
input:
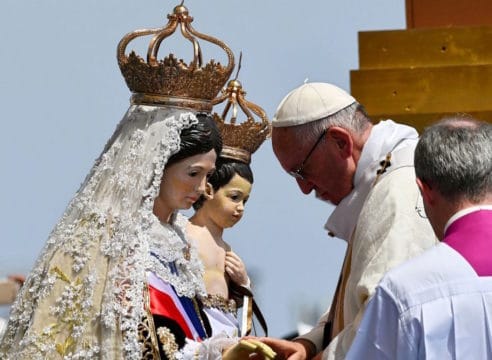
(91, 291)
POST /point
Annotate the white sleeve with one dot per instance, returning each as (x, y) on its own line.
(381, 334)
(315, 335)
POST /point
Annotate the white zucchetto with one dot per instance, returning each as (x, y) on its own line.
(310, 102)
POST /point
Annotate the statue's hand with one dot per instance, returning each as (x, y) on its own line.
(248, 349)
(236, 269)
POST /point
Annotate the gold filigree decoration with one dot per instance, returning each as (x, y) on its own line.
(219, 302)
(240, 140)
(145, 340)
(146, 331)
(198, 311)
(168, 341)
(171, 81)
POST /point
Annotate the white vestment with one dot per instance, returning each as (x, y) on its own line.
(432, 307)
(379, 221)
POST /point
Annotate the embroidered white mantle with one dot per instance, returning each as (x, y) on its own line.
(83, 298)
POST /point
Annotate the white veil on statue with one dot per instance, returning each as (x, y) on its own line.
(85, 295)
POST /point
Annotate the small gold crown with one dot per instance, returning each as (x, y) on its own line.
(171, 81)
(240, 140)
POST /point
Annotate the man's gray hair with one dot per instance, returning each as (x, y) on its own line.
(353, 118)
(455, 156)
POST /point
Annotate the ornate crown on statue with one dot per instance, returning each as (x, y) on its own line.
(171, 81)
(240, 140)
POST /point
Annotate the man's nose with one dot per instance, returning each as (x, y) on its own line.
(305, 186)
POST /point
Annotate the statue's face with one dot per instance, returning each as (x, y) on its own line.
(184, 181)
(227, 205)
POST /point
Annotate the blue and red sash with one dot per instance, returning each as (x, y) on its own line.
(164, 301)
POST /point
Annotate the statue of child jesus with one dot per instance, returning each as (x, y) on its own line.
(221, 207)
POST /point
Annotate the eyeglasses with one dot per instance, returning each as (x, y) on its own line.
(420, 208)
(297, 173)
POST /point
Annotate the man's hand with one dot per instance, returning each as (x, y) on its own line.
(249, 349)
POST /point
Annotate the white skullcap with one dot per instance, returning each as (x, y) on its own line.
(310, 102)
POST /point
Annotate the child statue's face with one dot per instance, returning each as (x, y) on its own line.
(227, 206)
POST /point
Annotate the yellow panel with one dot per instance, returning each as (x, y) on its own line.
(425, 47)
(420, 121)
(424, 90)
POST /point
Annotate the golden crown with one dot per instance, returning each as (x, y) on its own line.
(240, 140)
(171, 81)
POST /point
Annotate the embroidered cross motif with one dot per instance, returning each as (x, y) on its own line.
(386, 163)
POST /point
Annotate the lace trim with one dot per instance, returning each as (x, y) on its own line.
(208, 349)
(188, 277)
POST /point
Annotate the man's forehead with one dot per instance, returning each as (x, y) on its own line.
(286, 145)
(283, 137)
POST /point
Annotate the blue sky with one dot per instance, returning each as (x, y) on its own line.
(62, 95)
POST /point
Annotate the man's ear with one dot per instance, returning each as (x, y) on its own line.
(209, 191)
(427, 192)
(343, 140)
